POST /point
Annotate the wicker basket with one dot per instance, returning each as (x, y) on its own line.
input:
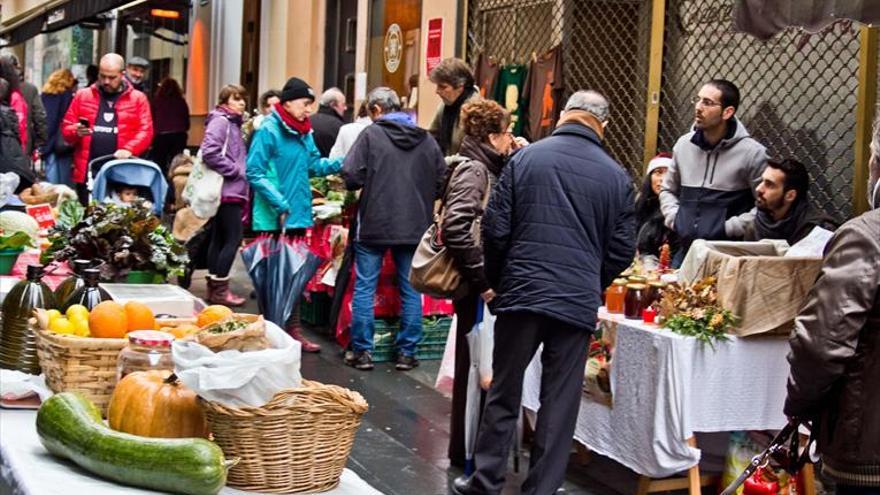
(86, 365)
(298, 442)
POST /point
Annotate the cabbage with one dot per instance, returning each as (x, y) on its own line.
(16, 221)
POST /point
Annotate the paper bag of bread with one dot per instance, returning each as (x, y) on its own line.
(241, 332)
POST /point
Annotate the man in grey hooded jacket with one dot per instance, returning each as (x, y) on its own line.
(708, 192)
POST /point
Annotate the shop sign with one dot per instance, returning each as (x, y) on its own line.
(393, 48)
(434, 45)
(42, 214)
(55, 16)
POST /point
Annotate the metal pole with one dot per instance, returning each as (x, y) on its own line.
(655, 73)
(865, 109)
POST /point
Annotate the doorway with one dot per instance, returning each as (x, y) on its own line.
(339, 49)
(250, 51)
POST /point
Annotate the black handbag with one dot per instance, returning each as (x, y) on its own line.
(62, 147)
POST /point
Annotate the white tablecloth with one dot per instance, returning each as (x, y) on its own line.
(667, 386)
(28, 468)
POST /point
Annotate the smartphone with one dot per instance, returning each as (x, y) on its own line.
(83, 121)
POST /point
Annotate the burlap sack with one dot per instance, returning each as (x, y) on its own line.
(763, 289)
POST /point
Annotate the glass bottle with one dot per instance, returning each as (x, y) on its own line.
(614, 296)
(89, 295)
(634, 302)
(18, 346)
(146, 350)
(71, 283)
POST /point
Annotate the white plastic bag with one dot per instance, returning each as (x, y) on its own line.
(15, 385)
(234, 378)
(446, 374)
(487, 347)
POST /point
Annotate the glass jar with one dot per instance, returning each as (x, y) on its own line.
(637, 279)
(654, 292)
(146, 350)
(634, 302)
(614, 296)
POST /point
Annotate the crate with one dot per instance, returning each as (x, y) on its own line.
(315, 312)
(431, 347)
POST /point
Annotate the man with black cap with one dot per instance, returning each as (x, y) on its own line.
(136, 73)
(282, 157)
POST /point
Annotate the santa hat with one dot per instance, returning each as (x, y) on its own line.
(660, 161)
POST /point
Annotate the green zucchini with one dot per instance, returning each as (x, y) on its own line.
(70, 426)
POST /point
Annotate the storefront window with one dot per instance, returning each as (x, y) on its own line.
(395, 27)
(71, 48)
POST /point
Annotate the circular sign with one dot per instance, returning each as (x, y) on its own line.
(393, 48)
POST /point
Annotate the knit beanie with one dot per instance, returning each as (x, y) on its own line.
(295, 88)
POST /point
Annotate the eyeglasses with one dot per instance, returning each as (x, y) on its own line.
(706, 102)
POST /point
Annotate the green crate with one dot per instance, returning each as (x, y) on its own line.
(431, 347)
(317, 311)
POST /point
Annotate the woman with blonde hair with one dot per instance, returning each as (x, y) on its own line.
(57, 155)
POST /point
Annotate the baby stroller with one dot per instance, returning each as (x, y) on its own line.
(143, 175)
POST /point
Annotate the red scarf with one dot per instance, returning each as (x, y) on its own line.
(301, 126)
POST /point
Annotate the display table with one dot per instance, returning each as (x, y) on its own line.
(27, 468)
(666, 387)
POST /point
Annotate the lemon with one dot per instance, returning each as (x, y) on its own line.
(63, 326)
(77, 310)
(52, 314)
(81, 327)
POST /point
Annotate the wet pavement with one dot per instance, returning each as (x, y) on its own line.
(400, 448)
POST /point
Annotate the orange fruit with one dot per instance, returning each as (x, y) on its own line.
(182, 331)
(140, 316)
(108, 320)
(213, 314)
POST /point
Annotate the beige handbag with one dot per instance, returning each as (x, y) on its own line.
(433, 271)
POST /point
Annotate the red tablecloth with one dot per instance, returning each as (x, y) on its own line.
(55, 272)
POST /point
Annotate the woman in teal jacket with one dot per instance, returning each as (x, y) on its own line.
(280, 161)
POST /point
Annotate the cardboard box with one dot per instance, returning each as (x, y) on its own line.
(162, 299)
(764, 289)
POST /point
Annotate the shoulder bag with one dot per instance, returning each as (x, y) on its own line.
(433, 271)
(204, 185)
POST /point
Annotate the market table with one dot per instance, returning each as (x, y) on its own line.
(667, 386)
(27, 468)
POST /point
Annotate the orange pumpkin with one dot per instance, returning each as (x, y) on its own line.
(155, 404)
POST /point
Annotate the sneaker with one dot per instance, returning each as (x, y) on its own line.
(406, 363)
(360, 360)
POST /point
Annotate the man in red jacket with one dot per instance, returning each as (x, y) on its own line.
(107, 118)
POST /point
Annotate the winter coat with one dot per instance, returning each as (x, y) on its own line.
(457, 131)
(223, 128)
(279, 164)
(55, 106)
(12, 157)
(348, 134)
(835, 355)
(170, 115)
(133, 119)
(325, 125)
(37, 127)
(473, 172)
(708, 192)
(401, 171)
(800, 221)
(559, 227)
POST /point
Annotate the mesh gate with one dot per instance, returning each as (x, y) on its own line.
(603, 44)
(799, 90)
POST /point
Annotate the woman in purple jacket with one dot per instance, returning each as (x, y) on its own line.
(223, 150)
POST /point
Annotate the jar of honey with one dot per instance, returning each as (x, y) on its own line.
(634, 301)
(614, 296)
(654, 292)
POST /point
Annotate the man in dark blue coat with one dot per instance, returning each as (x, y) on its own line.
(558, 229)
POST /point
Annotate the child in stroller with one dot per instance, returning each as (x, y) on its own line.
(123, 181)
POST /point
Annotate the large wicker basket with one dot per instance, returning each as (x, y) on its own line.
(86, 365)
(298, 442)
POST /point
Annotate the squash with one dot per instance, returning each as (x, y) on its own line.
(70, 426)
(155, 404)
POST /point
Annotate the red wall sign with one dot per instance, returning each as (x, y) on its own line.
(42, 214)
(434, 46)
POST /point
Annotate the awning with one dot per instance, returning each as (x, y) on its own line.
(765, 18)
(55, 16)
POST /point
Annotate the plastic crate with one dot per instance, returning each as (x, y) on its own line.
(432, 345)
(317, 311)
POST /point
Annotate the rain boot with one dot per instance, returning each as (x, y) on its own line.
(219, 293)
(294, 329)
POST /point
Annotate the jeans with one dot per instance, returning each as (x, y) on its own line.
(368, 264)
(58, 169)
